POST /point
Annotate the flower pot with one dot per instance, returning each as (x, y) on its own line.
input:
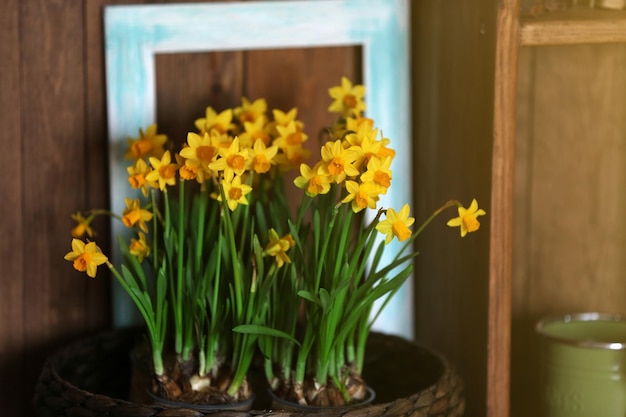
(583, 365)
(92, 377)
(279, 403)
(245, 405)
(141, 382)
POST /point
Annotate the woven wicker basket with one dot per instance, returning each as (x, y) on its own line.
(92, 378)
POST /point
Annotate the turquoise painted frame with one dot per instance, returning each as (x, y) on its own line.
(135, 33)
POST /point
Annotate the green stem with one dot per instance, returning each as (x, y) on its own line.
(155, 332)
(155, 223)
(322, 255)
(448, 204)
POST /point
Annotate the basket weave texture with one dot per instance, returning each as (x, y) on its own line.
(91, 377)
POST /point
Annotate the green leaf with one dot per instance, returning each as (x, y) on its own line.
(324, 299)
(307, 295)
(129, 278)
(259, 330)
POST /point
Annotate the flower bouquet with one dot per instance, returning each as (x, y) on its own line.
(227, 275)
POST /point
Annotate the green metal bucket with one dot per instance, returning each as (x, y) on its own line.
(583, 365)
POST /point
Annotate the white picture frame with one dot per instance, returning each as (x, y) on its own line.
(135, 33)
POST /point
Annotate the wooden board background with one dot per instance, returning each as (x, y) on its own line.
(454, 52)
(54, 141)
(570, 205)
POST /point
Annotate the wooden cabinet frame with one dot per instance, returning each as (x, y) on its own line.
(575, 26)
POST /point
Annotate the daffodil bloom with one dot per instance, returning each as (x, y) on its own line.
(189, 171)
(251, 111)
(135, 215)
(200, 151)
(235, 192)
(378, 172)
(339, 160)
(278, 247)
(292, 157)
(366, 148)
(314, 180)
(139, 247)
(396, 224)
(289, 136)
(163, 171)
(213, 121)
(283, 119)
(233, 160)
(148, 144)
(467, 220)
(262, 157)
(384, 150)
(359, 133)
(354, 124)
(83, 225)
(253, 131)
(347, 99)
(362, 195)
(85, 257)
(137, 176)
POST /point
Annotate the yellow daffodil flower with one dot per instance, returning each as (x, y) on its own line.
(163, 171)
(251, 111)
(284, 119)
(289, 136)
(379, 173)
(139, 247)
(278, 247)
(235, 192)
(354, 124)
(367, 148)
(384, 150)
(292, 157)
(262, 157)
(314, 180)
(213, 121)
(233, 160)
(189, 171)
(85, 257)
(200, 151)
(148, 144)
(360, 133)
(467, 220)
(339, 160)
(83, 226)
(347, 99)
(253, 131)
(396, 224)
(362, 195)
(137, 176)
(135, 215)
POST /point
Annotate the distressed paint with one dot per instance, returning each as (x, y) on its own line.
(134, 34)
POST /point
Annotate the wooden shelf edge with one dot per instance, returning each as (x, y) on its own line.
(574, 27)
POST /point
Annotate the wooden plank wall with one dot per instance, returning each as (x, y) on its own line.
(454, 53)
(570, 203)
(54, 141)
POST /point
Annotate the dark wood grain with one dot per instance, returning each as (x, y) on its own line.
(187, 83)
(54, 181)
(453, 75)
(12, 285)
(96, 157)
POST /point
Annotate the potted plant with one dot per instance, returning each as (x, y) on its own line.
(221, 270)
